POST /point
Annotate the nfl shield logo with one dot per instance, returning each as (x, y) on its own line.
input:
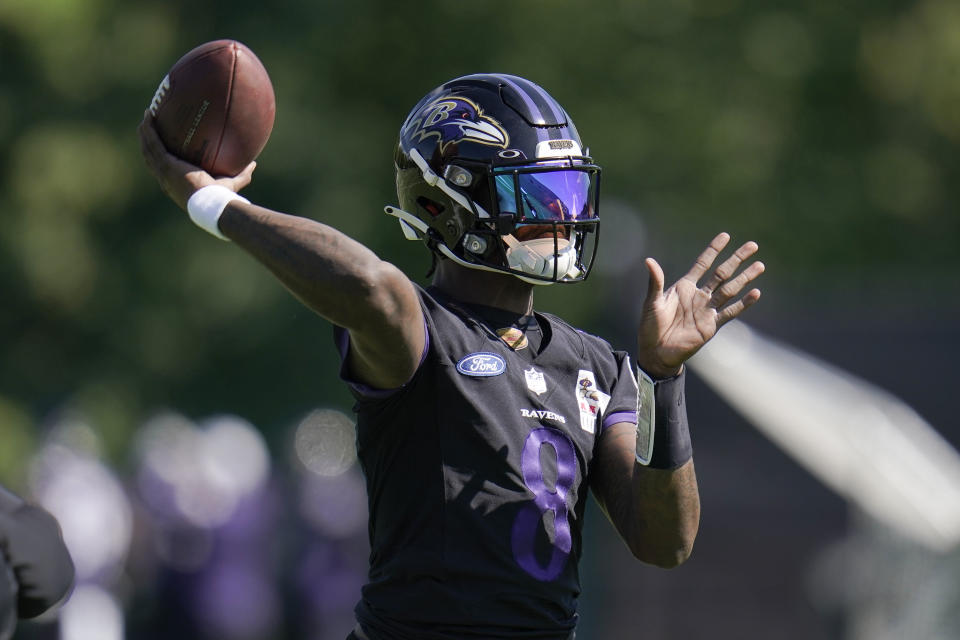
(535, 380)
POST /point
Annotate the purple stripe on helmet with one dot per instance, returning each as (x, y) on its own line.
(526, 97)
(629, 417)
(559, 116)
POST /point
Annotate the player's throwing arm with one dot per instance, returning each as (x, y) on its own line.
(335, 276)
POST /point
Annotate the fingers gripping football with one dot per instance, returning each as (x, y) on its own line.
(178, 178)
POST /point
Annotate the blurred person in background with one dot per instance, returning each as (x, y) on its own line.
(36, 571)
(482, 423)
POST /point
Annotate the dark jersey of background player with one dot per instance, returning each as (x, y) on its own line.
(36, 571)
(475, 525)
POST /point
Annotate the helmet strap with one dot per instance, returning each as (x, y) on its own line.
(408, 218)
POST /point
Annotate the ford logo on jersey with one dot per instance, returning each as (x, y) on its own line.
(482, 365)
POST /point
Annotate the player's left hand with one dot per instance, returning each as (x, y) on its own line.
(178, 178)
(677, 322)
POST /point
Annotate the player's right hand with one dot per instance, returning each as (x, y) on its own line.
(178, 178)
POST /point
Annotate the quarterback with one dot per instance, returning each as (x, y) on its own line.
(482, 423)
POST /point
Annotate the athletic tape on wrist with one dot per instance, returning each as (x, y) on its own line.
(663, 433)
(206, 205)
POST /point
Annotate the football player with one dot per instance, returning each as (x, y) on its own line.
(36, 571)
(481, 422)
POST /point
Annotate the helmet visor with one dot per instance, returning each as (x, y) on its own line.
(548, 194)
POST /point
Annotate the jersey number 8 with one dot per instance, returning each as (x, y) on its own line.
(545, 501)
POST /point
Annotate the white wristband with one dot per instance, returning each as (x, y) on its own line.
(207, 204)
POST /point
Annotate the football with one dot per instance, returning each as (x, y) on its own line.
(215, 107)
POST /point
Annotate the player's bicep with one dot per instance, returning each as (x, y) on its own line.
(385, 349)
(613, 471)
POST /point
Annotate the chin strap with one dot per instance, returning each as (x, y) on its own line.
(410, 224)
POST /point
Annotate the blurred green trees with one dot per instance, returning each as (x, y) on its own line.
(826, 131)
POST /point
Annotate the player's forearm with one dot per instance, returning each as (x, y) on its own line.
(331, 273)
(655, 511)
(664, 514)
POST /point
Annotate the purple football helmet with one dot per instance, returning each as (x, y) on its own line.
(491, 174)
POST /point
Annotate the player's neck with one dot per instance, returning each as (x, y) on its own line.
(473, 286)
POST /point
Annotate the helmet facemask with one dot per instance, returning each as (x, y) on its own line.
(537, 221)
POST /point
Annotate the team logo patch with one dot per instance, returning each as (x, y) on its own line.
(482, 365)
(536, 381)
(454, 119)
(591, 401)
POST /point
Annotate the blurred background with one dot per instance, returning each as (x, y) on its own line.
(180, 413)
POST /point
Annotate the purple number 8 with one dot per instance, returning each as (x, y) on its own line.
(532, 514)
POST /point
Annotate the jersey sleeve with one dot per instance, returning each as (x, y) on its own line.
(623, 396)
(361, 391)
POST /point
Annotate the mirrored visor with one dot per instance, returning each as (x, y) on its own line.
(551, 195)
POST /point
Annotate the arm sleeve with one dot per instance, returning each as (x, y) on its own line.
(360, 390)
(33, 547)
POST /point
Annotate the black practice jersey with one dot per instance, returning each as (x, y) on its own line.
(36, 570)
(477, 477)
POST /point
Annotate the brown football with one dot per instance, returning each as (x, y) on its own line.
(215, 107)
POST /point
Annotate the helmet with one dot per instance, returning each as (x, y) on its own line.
(491, 174)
